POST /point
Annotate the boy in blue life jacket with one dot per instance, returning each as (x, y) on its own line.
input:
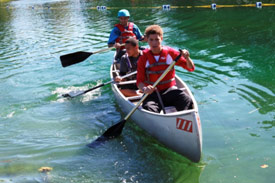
(123, 31)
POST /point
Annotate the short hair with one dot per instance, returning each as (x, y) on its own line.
(132, 41)
(153, 29)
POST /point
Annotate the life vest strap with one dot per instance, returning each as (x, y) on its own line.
(156, 64)
(155, 72)
(162, 82)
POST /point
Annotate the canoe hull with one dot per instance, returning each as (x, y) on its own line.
(180, 131)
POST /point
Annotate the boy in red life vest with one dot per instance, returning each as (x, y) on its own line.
(123, 31)
(152, 64)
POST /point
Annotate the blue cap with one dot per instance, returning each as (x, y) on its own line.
(123, 13)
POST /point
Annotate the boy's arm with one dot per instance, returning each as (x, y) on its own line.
(185, 61)
(123, 66)
(189, 62)
(141, 72)
(138, 33)
(115, 33)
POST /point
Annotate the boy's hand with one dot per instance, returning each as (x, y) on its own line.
(148, 89)
(185, 53)
(117, 45)
(118, 79)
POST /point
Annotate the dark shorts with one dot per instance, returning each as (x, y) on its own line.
(170, 97)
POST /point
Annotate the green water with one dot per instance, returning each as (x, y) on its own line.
(234, 85)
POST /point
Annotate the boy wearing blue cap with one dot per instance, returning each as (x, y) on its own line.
(123, 31)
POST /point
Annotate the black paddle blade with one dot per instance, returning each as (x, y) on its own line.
(66, 95)
(100, 140)
(115, 130)
(72, 94)
(73, 58)
(112, 132)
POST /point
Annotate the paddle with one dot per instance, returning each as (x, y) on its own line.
(73, 58)
(75, 94)
(116, 129)
(160, 101)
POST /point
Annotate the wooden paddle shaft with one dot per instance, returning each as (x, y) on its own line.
(105, 49)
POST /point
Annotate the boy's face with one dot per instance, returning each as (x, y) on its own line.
(123, 20)
(154, 41)
(131, 50)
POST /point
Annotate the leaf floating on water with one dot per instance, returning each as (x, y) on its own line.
(45, 169)
(264, 166)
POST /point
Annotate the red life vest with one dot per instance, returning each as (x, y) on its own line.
(125, 33)
(155, 69)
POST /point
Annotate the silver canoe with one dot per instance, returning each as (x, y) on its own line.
(180, 131)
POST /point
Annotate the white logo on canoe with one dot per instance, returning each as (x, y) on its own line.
(185, 125)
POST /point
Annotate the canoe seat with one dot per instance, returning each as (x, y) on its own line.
(127, 82)
(134, 97)
(182, 89)
(169, 109)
